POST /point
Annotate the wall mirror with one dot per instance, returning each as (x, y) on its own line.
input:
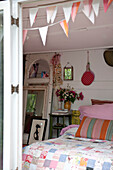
(68, 72)
(35, 102)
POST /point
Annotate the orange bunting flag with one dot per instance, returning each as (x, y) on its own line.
(107, 3)
(74, 10)
(64, 26)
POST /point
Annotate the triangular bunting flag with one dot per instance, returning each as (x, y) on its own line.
(24, 35)
(33, 14)
(91, 17)
(88, 6)
(54, 15)
(95, 5)
(50, 11)
(67, 11)
(74, 10)
(64, 26)
(43, 34)
(107, 3)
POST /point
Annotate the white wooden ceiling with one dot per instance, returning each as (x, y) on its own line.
(82, 33)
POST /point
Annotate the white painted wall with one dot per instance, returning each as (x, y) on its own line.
(101, 88)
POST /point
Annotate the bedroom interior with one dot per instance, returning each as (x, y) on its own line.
(49, 47)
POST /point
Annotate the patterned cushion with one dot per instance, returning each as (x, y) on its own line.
(95, 129)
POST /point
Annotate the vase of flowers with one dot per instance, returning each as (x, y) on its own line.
(67, 105)
(68, 96)
(59, 94)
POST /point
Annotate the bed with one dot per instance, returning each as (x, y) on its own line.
(87, 147)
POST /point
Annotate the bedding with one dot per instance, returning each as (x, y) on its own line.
(69, 153)
(95, 101)
(104, 111)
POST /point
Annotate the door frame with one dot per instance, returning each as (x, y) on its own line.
(13, 75)
(5, 6)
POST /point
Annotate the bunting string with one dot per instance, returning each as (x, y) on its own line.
(36, 28)
(90, 8)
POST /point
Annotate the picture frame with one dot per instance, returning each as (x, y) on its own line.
(37, 131)
(68, 73)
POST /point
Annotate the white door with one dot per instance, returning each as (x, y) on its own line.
(10, 75)
(5, 68)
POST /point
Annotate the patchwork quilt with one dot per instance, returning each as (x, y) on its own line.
(69, 153)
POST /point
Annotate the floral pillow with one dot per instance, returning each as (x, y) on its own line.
(95, 129)
(69, 129)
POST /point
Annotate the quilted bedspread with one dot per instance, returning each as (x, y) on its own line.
(68, 153)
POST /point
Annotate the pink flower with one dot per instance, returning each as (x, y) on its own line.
(81, 96)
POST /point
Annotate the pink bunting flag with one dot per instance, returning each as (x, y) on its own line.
(91, 16)
(64, 26)
(24, 35)
(74, 10)
(107, 3)
(88, 6)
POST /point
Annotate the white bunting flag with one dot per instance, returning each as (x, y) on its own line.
(67, 11)
(91, 17)
(95, 6)
(54, 15)
(33, 14)
(43, 34)
(51, 11)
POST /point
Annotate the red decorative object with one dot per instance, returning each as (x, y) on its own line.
(88, 76)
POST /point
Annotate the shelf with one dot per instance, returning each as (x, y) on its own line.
(38, 80)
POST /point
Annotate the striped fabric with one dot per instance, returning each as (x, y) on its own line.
(95, 129)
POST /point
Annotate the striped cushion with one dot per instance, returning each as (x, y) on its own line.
(95, 129)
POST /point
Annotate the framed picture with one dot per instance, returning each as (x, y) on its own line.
(68, 73)
(37, 131)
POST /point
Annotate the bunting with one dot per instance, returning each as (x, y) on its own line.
(51, 13)
(74, 10)
(67, 11)
(91, 17)
(107, 3)
(89, 7)
(43, 34)
(95, 5)
(64, 26)
(33, 14)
